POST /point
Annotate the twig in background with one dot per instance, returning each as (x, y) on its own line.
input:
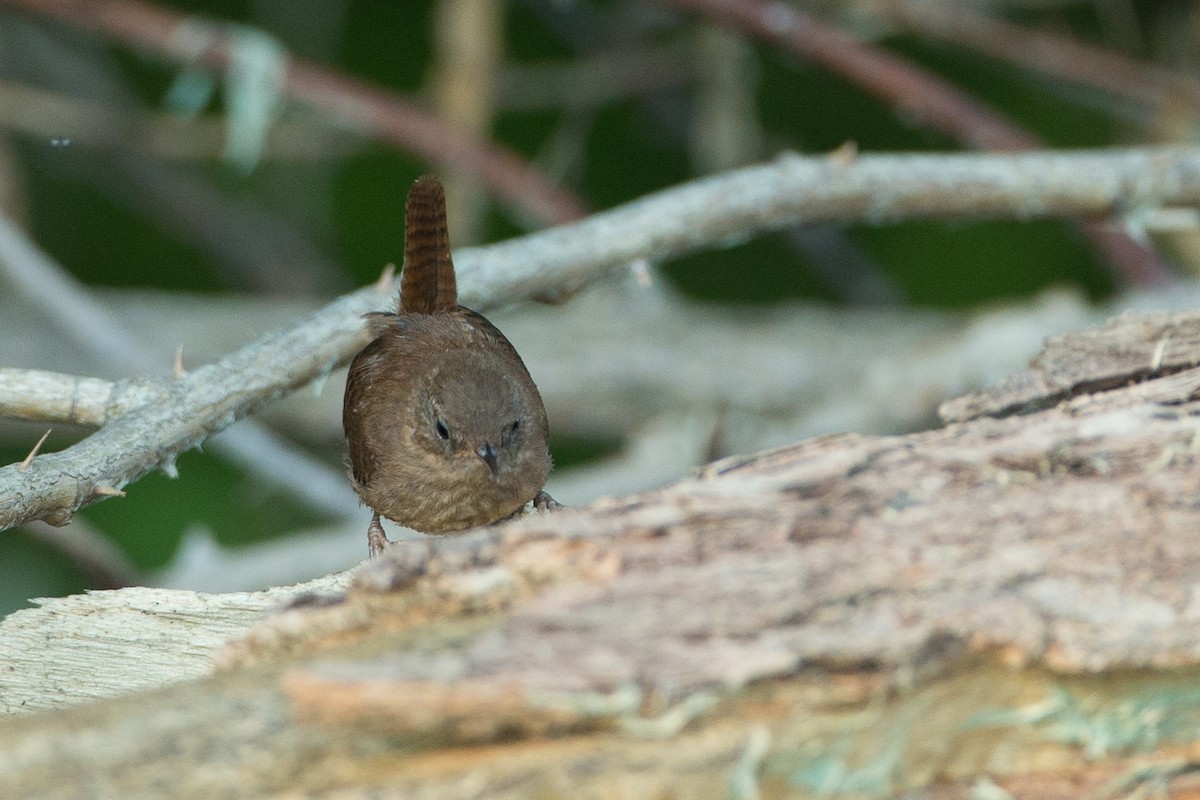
(725, 133)
(350, 102)
(724, 127)
(561, 260)
(915, 93)
(106, 565)
(715, 69)
(66, 304)
(43, 114)
(1156, 90)
(468, 49)
(594, 80)
(854, 276)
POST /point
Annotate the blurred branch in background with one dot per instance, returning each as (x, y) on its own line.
(595, 80)
(725, 130)
(1152, 96)
(915, 93)
(108, 141)
(911, 91)
(559, 261)
(469, 41)
(105, 564)
(346, 101)
(725, 133)
(45, 115)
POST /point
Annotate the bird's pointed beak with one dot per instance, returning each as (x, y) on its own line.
(490, 456)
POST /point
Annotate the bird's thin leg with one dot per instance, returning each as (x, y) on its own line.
(376, 538)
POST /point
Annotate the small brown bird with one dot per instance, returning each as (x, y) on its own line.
(446, 429)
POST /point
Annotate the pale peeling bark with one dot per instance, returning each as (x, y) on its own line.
(1005, 604)
(70, 650)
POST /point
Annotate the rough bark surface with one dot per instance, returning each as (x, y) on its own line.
(1131, 347)
(1007, 604)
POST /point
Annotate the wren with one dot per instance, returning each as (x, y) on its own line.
(445, 427)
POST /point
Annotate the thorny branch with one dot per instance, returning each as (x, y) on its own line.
(557, 262)
(41, 396)
(44, 283)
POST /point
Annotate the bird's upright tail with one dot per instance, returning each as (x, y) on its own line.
(427, 280)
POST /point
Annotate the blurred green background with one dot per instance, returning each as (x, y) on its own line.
(339, 208)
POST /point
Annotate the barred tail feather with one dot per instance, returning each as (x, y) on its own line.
(427, 281)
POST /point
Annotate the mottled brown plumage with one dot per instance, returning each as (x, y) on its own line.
(446, 429)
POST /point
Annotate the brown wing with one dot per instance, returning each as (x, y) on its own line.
(363, 373)
(368, 369)
(427, 281)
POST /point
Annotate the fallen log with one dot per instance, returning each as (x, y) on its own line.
(1009, 605)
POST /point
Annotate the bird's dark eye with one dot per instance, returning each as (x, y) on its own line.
(515, 426)
(442, 430)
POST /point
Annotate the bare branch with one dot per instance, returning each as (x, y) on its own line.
(556, 262)
(41, 396)
(201, 402)
(468, 49)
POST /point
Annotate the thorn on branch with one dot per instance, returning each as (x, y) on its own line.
(28, 462)
(177, 369)
(641, 273)
(386, 279)
(845, 155)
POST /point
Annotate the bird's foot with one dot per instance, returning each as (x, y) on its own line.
(377, 540)
(544, 502)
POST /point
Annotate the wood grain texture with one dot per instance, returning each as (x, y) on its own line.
(1132, 347)
(71, 650)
